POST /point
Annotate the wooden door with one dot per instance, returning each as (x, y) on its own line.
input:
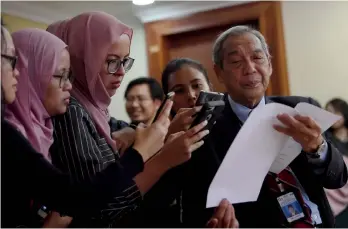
(198, 45)
(193, 36)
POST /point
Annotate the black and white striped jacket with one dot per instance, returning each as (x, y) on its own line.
(79, 150)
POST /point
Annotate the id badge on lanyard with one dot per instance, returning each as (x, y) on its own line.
(290, 206)
(288, 202)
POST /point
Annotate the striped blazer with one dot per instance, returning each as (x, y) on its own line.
(80, 151)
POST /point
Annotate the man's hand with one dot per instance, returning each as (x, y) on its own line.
(223, 217)
(303, 130)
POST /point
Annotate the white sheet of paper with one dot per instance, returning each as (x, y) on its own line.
(322, 117)
(291, 148)
(289, 152)
(255, 149)
(247, 162)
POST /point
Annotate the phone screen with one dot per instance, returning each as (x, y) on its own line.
(205, 97)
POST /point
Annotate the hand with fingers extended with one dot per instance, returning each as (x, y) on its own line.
(179, 146)
(224, 216)
(183, 120)
(149, 140)
(303, 130)
(176, 150)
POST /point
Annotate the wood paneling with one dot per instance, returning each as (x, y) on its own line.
(267, 15)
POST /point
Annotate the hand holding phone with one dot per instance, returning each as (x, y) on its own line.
(210, 111)
(179, 146)
(183, 119)
(149, 140)
(170, 95)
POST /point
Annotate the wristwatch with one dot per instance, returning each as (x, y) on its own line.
(320, 150)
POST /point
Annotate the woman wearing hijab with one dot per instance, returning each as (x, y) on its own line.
(43, 91)
(44, 86)
(99, 46)
(29, 174)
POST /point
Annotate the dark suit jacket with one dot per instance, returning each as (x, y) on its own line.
(201, 169)
(116, 125)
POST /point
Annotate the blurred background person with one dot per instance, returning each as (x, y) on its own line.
(340, 129)
(143, 98)
(338, 198)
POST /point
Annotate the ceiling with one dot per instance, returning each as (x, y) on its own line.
(51, 11)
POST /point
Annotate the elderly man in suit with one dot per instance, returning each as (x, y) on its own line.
(242, 63)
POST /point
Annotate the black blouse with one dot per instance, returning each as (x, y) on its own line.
(26, 175)
(80, 151)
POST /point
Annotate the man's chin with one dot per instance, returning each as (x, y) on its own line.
(255, 93)
(252, 99)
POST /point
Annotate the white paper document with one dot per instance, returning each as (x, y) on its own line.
(255, 149)
(291, 148)
(286, 155)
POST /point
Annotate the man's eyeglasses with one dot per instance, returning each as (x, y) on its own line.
(12, 59)
(115, 64)
(64, 78)
(138, 99)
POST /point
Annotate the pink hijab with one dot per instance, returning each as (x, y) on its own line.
(39, 53)
(89, 36)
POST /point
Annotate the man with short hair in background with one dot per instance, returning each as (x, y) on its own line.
(143, 98)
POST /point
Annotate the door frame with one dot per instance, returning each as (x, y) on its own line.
(268, 15)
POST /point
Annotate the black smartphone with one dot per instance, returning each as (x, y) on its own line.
(205, 96)
(168, 96)
(210, 111)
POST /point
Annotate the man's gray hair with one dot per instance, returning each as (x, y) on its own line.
(236, 31)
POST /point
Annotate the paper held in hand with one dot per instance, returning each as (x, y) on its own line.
(257, 149)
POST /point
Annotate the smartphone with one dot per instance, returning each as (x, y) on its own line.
(205, 96)
(210, 111)
(168, 96)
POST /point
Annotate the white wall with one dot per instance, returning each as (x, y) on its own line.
(139, 69)
(316, 37)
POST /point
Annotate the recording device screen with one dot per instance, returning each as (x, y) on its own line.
(205, 96)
